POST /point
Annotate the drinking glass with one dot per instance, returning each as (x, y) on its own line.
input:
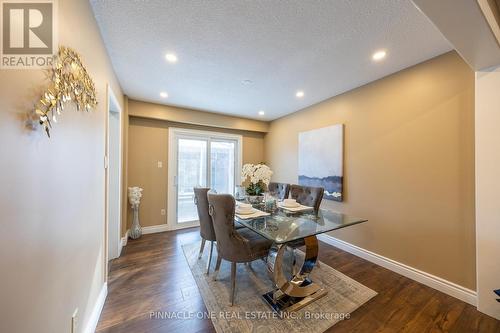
(239, 192)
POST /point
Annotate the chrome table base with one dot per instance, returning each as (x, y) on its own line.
(298, 291)
(280, 302)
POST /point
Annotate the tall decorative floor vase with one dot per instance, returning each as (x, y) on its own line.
(136, 230)
(134, 197)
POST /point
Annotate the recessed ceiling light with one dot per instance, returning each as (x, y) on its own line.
(246, 81)
(261, 113)
(299, 94)
(163, 94)
(171, 57)
(379, 55)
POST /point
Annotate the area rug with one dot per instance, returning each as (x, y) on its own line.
(251, 314)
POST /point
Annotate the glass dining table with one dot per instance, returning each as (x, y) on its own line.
(290, 230)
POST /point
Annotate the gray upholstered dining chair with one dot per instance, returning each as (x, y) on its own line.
(281, 190)
(206, 226)
(307, 195)
(233, 245)
(207, 232)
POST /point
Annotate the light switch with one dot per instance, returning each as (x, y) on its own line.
(160, 164)
(163, 212)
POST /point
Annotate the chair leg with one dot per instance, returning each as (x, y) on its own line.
(210, 256)
(233, 282)
(217, 266)
(202, 247)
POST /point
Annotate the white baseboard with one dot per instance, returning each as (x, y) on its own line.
(435, 282)
(96, 311)
(123, 242)
(145, 230)
(154, 229)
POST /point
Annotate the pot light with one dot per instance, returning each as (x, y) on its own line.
(172, 58)
(163, 94)
(299, 94)
(261, 113)
(379, 55)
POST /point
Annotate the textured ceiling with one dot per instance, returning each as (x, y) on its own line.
(321, 47)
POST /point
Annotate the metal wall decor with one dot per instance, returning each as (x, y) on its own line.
(69, 81)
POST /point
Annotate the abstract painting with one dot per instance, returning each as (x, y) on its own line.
(321, 154)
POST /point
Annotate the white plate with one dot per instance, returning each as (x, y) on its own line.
(290, 206)
(244, 212)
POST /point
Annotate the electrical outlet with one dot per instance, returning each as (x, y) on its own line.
(74, 321)
(163, 212)
(160, 164)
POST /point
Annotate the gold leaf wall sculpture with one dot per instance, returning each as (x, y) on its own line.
(69, 82)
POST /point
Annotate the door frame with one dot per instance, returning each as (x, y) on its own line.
(173, 132)
(112, 103)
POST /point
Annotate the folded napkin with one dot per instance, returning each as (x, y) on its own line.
(256, 214)
(299, 208)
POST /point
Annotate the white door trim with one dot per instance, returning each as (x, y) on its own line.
(112, 105)
(174, 132)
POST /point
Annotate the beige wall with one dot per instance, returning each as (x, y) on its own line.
(194, 117)
(487, 189)
(148, 144)
(409, 164)
(52, 193)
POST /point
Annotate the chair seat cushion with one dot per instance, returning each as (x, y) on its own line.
(260, 246)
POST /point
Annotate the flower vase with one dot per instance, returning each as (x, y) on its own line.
(136, 230)
(255, 199)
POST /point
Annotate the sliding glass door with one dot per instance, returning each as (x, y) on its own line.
(192, 171)
(198, 158)
(223, 165)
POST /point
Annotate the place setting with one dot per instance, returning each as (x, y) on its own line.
(292, 205)
(247, 211)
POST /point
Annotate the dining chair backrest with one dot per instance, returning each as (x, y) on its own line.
(230, 245)
(307, 195)
(207, 231)
(281, 190)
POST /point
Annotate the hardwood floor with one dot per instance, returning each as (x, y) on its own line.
(152, 275)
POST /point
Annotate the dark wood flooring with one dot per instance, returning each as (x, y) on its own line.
(153, 275)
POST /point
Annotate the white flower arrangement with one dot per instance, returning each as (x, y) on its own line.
(134, 196)
(259, 176)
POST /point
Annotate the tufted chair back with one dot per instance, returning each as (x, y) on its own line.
(307, 195)
(281, 190)
(230, 245)
(207, 231)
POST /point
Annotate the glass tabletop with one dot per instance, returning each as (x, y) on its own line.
(283, 226)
